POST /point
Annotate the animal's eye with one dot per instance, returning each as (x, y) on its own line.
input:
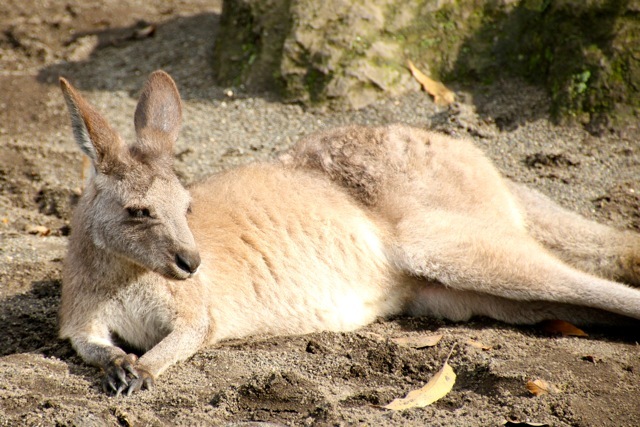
(189, 209)
(139, 213)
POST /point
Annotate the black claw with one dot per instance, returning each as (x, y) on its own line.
(122, 376)
(109, 385)
(135, 385)
(149, 383)
(120, 389)
(130, 369)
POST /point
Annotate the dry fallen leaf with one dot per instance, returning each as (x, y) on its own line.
(539, 387)
(437, 387)
(144, 32)
(524, 424)
(478, 344)
(560, 327)
(441, 94)
(418, 342)
(40, 230)
(372, 336)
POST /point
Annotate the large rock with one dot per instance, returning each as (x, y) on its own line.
(343, 52)
(585, 52)
(348, 53)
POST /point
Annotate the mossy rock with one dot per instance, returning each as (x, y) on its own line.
(249, 44)
(349, 53)
(336, 52)
(586, 53)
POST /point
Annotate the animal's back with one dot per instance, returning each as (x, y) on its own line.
(287, 251)
(398, 170)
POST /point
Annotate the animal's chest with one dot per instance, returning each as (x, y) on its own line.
(140, 315)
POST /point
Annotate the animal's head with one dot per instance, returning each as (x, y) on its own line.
(135, 206)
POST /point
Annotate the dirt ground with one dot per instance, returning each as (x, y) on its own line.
(106, 50)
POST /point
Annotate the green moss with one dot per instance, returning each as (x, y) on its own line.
(568, 47)
(582, 52)
(247, 56)
(315, 83)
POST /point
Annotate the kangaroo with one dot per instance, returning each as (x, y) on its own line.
(349, 225)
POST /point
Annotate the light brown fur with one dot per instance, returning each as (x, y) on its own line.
(349, 225)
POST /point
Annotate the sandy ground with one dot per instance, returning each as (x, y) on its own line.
(319, 379)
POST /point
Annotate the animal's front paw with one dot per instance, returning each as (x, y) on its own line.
(144, 380)
(124, 375)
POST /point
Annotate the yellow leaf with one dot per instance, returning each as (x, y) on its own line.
(441, 95)
(419, 341)
(437, 387)
(40, 230)
(524, 424)
(478, 344)
(539, 387)
(563, 328)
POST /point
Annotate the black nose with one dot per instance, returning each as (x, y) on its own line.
(188, 261)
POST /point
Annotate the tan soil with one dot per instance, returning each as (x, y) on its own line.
(106, 49)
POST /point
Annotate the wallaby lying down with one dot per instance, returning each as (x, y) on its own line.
(349, 225)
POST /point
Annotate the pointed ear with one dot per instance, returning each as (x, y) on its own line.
(158, 116)
(92, 132)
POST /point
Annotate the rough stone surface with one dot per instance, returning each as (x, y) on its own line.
(585, 53)
(349, 53)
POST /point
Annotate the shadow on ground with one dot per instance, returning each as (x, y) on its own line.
(129, 53)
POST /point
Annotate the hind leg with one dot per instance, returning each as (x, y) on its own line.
(583, 244)
(436, 300)
(467, 254)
